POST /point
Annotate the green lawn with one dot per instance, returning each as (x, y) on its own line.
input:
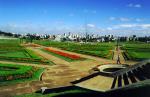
(11, 73)
(95, 49)
(12, 50)
(10, 69)
(137, 51)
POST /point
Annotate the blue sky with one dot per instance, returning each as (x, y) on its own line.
(122, 17)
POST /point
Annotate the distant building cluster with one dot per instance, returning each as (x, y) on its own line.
(76, 37)
(86, 38)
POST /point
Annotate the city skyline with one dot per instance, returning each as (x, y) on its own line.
(118, 17)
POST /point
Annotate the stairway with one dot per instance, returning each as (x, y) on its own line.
(134, 74)
(116, 80)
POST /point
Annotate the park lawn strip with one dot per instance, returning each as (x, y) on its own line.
(33, 54)
(12, 50)
(27, 60)
(136, 51)
(36, 76)
(20, 70)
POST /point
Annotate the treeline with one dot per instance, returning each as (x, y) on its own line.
(141, 39)
(2, 33)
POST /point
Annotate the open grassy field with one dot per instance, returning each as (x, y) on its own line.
(136, 50)
(11, 73)
(12, 50)
(94, 49)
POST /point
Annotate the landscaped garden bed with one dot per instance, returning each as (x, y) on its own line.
(95, 49)
(11, 72)
(12, 50)
(64, 55)
(136, 51)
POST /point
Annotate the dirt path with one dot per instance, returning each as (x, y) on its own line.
(118, 53)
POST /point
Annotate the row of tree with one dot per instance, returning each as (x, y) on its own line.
(2, 33)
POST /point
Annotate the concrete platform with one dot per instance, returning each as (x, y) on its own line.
(98, 83)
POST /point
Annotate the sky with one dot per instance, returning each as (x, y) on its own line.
(118, 17)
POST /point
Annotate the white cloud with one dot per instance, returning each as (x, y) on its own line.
(132, 26)
(127, 19)
(109, 28)
(124, 19)
(112, 18)
(134, 5)
(145, 26)
(137, 6)
(91, 25)
(127, 25)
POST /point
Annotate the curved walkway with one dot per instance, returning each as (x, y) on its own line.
(54, 76)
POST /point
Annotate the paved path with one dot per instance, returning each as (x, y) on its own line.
(98, 83)
(118, 53)
(54, 76)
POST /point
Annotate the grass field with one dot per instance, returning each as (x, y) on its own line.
(94, 49)
(11, 73)
(12, 50)
(136, 50)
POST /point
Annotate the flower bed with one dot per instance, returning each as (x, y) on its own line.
(71, 56)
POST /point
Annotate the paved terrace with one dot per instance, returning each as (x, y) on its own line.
(120, 79)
